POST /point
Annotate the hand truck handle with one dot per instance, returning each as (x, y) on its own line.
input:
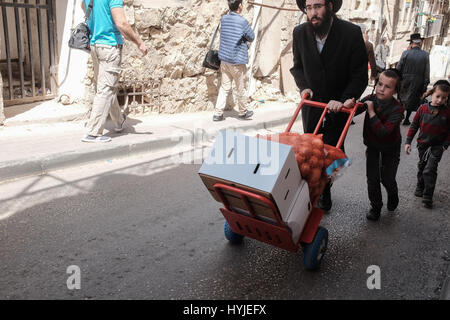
(304, 101)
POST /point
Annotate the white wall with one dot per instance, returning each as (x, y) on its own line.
(72, 66)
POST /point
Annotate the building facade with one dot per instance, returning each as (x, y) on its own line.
(397, 19)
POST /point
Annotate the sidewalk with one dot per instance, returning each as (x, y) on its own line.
(32, 144)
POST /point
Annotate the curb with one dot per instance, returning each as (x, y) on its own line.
(66, 118)
(43, 164)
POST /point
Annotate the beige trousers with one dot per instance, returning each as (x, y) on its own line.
(230, 73)
(106, 60)
(2, 114)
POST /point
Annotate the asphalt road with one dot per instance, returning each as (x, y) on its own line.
(146, 228)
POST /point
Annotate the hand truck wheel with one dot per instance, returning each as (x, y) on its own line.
(313, 252)
(234, 238)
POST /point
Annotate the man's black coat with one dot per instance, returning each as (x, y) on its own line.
(339, 72)
(414, 66)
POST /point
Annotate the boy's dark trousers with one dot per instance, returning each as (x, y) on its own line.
(429, 158)
(381, 166)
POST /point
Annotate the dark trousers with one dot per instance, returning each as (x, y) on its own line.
(381, 166)
(429, 158)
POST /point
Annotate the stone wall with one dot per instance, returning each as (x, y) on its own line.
(178, 37)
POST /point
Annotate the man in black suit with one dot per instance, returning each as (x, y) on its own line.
(330, 65)
(414, 65)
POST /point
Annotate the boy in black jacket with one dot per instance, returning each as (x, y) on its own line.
(383, 140)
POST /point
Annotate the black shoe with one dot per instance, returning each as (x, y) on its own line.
(406, 122)
(392, 202)
(418, 192)
(325, 202)
(373, 214)
(218, 118)
(247, 115)
(427, 203)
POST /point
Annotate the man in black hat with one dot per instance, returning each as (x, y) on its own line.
(414, 65)
(330, 64)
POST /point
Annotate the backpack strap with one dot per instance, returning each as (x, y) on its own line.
(88, 12)
(214, 37)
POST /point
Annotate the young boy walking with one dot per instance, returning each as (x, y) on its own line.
(433, 120)
(383, 140)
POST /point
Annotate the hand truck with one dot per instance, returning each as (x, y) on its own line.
(313, 238)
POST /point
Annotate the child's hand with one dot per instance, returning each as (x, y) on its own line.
(407, 148)
(370, 109)
(370, 106)
(349, 103)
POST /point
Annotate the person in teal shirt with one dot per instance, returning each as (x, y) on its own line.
(107, 24)
(101, 23)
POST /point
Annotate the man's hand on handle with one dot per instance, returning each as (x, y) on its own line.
(349, 103)
(334, 106)
(308, 92)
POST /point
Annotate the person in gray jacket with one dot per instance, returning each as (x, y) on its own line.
(414, 66)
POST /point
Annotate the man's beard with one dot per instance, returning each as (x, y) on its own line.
(322, 29)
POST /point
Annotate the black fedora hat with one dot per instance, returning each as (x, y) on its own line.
(337, 4)
(415, 37)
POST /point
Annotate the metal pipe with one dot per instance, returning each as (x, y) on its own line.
(19, 48)
(41, 58)
(272, 7)
(30, 51)
(51, 42)
(8, 53)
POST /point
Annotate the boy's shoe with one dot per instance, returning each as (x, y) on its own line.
(418, 192)
(89, 138)
(427, 203)
(218, 118)
(373, 214)
(392, 202)
(120, 127)
(247, 115)
(406, 122)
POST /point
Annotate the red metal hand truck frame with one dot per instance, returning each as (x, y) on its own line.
(313, 239)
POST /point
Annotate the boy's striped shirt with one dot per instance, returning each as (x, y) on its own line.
(434, 125)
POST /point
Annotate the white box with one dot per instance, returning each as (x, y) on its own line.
(299, 211)
(258, 165)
